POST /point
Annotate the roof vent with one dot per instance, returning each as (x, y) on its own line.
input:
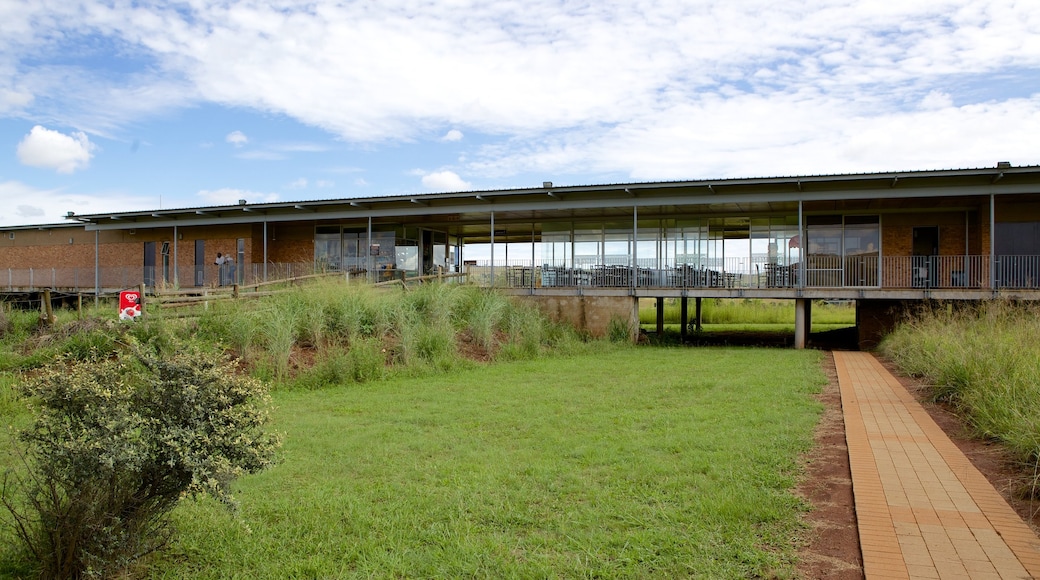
(547, 184)
(241, 202)
(1003, 165)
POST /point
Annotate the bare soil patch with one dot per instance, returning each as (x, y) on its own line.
(832, 544)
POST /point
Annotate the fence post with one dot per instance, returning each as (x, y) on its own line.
(48, 313)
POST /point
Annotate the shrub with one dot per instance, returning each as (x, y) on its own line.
(115, 443)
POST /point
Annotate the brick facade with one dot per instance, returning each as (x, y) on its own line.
(897, 233)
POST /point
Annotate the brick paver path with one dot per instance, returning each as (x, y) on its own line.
(923, 509)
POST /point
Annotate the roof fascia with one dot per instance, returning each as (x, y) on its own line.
(1000, 188)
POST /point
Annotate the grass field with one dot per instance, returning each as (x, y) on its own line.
(632, 462)
(749, 311)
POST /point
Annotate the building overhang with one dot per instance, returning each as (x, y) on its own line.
(850, 192)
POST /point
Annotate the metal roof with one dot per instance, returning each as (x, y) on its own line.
(845, 192)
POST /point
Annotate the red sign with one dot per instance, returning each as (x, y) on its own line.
(129, 305)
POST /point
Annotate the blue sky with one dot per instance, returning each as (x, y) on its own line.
(117, 106)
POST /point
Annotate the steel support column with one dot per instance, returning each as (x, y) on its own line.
(492, 249)
(97, 271)
(369, 273)
(992, 242)
(683, 315)
(802, 245)
(176, 284)
(802, 321)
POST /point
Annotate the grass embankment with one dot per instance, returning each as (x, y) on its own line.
(630, 462)
(985, 360)
(322, 333)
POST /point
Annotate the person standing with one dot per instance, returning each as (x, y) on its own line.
(219, 263)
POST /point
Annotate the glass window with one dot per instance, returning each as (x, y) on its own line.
(327, 248)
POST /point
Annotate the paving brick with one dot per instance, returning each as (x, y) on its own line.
(923, 510)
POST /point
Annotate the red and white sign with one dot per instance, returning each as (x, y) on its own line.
(129, 305)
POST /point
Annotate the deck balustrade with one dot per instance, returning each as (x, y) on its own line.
(857, 272)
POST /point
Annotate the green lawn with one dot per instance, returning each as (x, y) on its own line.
(636, 462)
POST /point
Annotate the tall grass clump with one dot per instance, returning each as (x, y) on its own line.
(619, 330)
(525, 329)
(483, 317)
(983, 359)
(279, 336)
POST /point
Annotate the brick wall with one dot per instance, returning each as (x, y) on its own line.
(290, 244)
(897, 232)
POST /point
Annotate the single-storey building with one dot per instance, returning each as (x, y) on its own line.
(588, 252)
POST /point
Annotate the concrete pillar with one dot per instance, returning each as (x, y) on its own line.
(634, 301)
(660, 316)
(683, 316)
(802, 321)
(697, 307)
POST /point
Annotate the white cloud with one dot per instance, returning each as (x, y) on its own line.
(324, 184)
(49, 149)
(13, 100)
(231, 196)
(300, 147)
(29, 211)
(237, 138)
(704, 87)
(22, 204)
(445, 181)
(936, 100)
(300, 183)
(261, 156)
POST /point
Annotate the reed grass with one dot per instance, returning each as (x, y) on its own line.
(985, 360)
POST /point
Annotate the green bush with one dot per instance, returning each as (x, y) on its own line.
(116, 442)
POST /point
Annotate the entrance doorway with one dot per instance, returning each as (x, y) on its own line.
(149, 263)
(926, 257)
(200, 262)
